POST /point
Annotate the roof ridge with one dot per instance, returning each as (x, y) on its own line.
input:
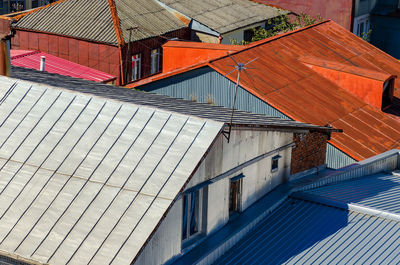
(116, 22)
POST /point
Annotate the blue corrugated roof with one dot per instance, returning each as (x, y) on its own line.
(379, 191)
(301, 232)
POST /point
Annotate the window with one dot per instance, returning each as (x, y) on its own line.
(361, 26)
(155, 61)
(249, 33)
(387, 96)
(191, 214)
(234, 194)
(17, 5)
(136, 67)
(275, 163)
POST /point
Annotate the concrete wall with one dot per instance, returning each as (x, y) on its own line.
(223, 156)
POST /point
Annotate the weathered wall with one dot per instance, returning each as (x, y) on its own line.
(339, 11)
(310, 151)
(102, 57)
(166, 241)
(258, 180)
(144, 48)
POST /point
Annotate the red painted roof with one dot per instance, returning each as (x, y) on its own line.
(56, 65)
(285, 82)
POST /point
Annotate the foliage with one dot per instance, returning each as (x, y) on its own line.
(366, 35)
(279, 25)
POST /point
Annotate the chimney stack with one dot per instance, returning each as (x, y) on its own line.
(42, 63)
(5, 62)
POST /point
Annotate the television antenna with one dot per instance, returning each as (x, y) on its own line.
(237, 67)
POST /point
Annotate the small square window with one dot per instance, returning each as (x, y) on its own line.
(234, 193)
(155, 61)
(191, 214)
(275, 163)
(136, 67)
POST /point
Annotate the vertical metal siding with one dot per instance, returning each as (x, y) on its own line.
(206, 85)
(336, 158)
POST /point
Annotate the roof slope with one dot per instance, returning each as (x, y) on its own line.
(92, 20)
(224, 15)
(185, 107)
(86, 179)
(311, 229)
(54, 64)
(306, 96)
(301, 232)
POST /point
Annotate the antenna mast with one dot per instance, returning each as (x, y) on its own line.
(239, 67)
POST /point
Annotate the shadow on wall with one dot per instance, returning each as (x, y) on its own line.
(300, 231)
(394, 109)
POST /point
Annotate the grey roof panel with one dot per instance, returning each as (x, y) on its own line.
(379, 191)
(301, 232)
(182, 106)
(92, 20)
(225, 15)
(81, 176)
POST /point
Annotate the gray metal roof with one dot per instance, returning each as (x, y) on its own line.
(87, 179)
(186, 107)
(224, 15)
(379, 191)
(301, 232)
(92, 20)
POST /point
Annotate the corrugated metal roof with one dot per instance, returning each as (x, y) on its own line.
(301, 232)
(92, 20)
(186, 107)
(281, 79)
(86, 179)
(54, 64)
(224, 15)
(379, 191)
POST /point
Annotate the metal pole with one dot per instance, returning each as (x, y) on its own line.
(234, 102)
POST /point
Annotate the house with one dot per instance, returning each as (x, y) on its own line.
(222, 21)
(125, 42)
(321, 74)
(53, 64)
(374, 20)
(349, 216)
(92, 173)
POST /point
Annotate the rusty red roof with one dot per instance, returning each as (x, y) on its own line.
(282, 79)
(56, 65)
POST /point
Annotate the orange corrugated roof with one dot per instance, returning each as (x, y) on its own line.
(281, 79)
(202, 45)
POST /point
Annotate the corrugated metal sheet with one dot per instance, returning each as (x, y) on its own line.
(186, 107)
(379, 191)
(301, 232)
(86, 19)
(336, 158)
(56, 65)
(91, 20)
(86, 179)
(282, 80)
(225, 15)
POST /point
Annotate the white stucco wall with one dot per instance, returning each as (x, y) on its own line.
(223, 156)
(239, 33)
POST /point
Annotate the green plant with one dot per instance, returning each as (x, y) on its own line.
(280, 25)
(366, 35)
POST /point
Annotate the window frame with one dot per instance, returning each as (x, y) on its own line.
(198, 214)
(275, 163)
(365, 20)
(155, 61)
(235, 198)
(136, 76)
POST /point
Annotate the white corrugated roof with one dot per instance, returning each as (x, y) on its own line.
(87, 179)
